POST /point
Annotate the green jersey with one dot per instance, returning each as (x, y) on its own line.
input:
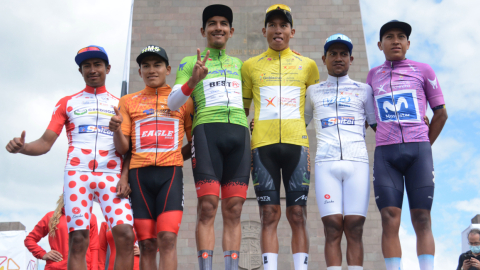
(217, 98)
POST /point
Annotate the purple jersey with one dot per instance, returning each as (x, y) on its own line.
(401, 90)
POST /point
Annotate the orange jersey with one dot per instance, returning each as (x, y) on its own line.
(156, 132)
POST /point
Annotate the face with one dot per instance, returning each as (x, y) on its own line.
(94, 72)
(278, 33)
(217, 31)
(474, 239)
(337, 60)
(154, 71)
(394, 44)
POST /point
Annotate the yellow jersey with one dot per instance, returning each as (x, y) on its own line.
(277, 83)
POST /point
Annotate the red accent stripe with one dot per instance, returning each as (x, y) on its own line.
(168, 192)
(141, 192)
(186, 90)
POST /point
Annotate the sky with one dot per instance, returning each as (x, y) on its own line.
(40, 39)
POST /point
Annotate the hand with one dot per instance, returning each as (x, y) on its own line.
(200, 71)
(53, 255)
(136, 251)
(115, 121)
(123, 188)
(17, 144)
(426, 120)
(475, 263)
(251, 126)
(297, 53)
(466, 264)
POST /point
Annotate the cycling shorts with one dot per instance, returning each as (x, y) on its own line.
(221, 158)
(342, 187)
(157, 200)
(294, 163)
(404, 164)
(82, 188)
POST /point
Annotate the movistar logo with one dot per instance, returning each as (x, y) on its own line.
(181, 66)
(223, 71)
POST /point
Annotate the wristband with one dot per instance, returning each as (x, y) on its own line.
(187, 91)
(373, 126)
(438, 107)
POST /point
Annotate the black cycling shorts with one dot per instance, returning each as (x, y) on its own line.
(157, 200)
(221, 158)
(294, 163)
(408, 165)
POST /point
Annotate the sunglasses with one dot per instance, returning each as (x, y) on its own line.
(279, 7)
(338, 37)
(86, 49)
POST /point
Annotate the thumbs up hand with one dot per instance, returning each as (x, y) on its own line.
(116, 121)
(17, 144)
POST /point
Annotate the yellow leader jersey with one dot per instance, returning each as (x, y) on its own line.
(277, 83)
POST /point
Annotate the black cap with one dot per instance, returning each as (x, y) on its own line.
(152, 50)
(405, 27)
(217, 10)
(279, 10)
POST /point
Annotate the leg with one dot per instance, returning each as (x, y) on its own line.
(391, 225)
(353, 226)
(206, 211)
(167, 245)
(148, 254)
(297, 217)
(232, 230)
(333, 228)
(78, 242)
(124, 240)
(422, 224)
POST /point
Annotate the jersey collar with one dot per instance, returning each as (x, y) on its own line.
(91, 90)
(270, 52)
(342, 79)
(163, 91)
(215, 54)
(395, 63)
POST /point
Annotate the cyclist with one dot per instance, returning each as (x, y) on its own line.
(277, 81)
(155, 133)
(92, 171)
(340, 106)
(403, 156)
(220, 146)
(107, 252)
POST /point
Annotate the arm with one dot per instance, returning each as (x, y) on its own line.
(39, 231)
(93, 245)
(370, 109)
(102, 246)
(247, 87)
(308, 114)
(123, 188)
(120, 124)
(188, 123)
(187, 81)
(35, 148)
(438, 121)
(434, 95)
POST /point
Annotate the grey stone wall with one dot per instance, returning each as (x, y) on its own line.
(175, 25)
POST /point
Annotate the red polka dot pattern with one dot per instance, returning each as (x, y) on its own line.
(69, 218)
(119, 222)
(70, 149)
(82, 190)
(97, 173)
(86, 151)
(73, 197)
(111, 179)
(127, 205)
(103, 153)
(71, 173)
(84, 203)
(101, 185)
(105, 197)
(84, 177)
(86, 215)
(118, 211)
(75, 161)
(108, 209)
(129, 217)
(79, 222)
(113, 189)
(116, 200)
(112, 164)
(93, 164)
(69, 109)
(93, 185)
(72, 184)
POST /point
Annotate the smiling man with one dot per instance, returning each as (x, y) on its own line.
(277, 81)
(93, 167)
(154, 133)
(403, 156)
(220, 148)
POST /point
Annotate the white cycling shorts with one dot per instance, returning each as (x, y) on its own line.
(342, 187)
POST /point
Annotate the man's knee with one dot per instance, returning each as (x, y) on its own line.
(333, 227)
(296, 215)
(270, 215)
(79, 241)
(123, 235)
(421, 220)
(148, 247)
(207, 209)
(233, 208)
(167, 241)
(354, 228)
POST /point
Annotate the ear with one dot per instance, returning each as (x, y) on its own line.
(108, 69)
(80, 70)
(408, 45)
(264, 31)
(380, 47)
(323, 59)
(169, 69)
(202, 31)
(140, 72)
(292, 33)
(351, 60)
(231, 31)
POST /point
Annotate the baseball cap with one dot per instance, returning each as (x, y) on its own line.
(396, 24)
(89, 52)
(279, 9)
(338, 38)
(217, 10)
(152, 50)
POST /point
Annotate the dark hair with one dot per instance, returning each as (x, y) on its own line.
(325, 52)
(205, 23)
(477, 231)
(161, 60)
(104, 61)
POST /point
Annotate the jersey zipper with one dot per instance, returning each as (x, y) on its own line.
(280, 106)
(156, 127)
(96, 135)
(338, 128)
(226, 89)
(394, 104)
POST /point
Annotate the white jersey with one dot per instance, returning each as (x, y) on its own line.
(339, 107)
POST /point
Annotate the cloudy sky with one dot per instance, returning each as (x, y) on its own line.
(40, 39)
